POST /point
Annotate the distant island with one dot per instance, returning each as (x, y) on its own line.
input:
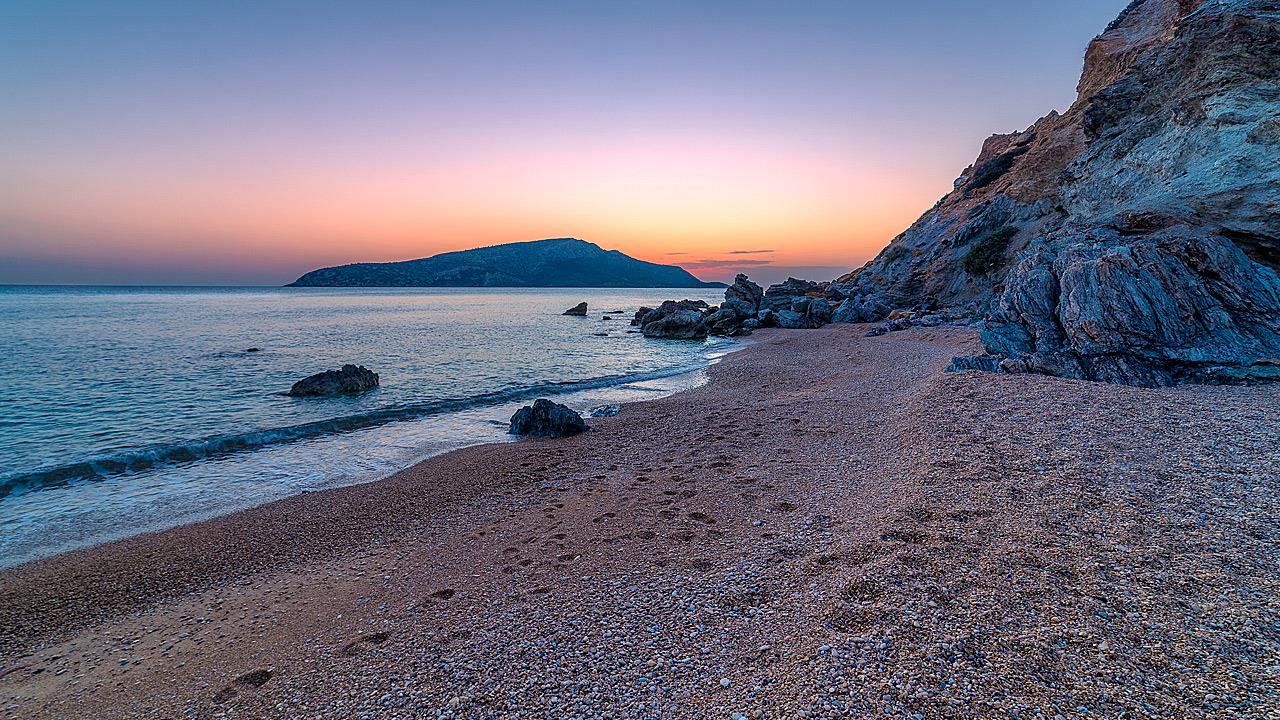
(558, 262)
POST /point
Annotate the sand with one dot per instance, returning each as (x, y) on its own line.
(832, 527)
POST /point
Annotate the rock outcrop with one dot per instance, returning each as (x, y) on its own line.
(743, 298)
(794, 304)
(546, 419)
(1134, 238)
(675, 322)
(350, 380)
(579, 310)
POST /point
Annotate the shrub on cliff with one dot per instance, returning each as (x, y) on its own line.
(988, 251)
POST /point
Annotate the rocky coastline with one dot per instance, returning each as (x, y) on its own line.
(1134, 237)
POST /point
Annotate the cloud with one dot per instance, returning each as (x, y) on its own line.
(725, 263)
(749, 252)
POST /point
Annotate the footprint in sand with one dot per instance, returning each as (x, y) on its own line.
(362, 643)
(248, 681)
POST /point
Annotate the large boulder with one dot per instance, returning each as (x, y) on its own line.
(792, 320)
(679, 325)
(819, 312)
(783, 294)
(724, 321)
(859, 310)
(580, 310)
(350, 380)
(546, 419)
(743, 297)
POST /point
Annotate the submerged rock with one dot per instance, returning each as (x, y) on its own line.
(350, 380)
(579, 310)
(546, 419)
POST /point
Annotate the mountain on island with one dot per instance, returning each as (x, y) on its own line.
(559, 262)
(1135, 237)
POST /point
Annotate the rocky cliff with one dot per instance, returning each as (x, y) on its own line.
(559, 262)
(1135, 237)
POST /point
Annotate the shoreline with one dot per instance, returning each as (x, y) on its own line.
(467, 425)
(829, 522)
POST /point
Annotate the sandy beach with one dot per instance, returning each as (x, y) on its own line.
(831, 527)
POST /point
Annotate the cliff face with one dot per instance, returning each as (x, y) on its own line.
(1136, 237)
(559, 262)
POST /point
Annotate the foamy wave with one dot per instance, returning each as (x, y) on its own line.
(196, 450)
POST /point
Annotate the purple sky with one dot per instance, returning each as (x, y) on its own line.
(239, 142)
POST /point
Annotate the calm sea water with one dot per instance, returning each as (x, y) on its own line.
(124, 410)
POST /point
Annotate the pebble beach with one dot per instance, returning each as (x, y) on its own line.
(831, 527)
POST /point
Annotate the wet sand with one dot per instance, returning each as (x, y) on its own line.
(831, 527)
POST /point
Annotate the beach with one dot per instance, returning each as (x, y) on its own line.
(831, 527)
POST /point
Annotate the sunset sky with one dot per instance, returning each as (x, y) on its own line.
(248, 142)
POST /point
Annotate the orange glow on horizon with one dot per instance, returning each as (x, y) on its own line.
(693, 203)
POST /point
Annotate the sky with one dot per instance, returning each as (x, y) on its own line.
(248, 142)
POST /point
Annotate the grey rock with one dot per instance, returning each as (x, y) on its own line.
(743, 297)
(640, 315)
(859, 310)
(546, 419)
(579, 310)
(819, 312)
(724, 321)
(679, 325)
(792, 320)
(350, 380)
(605, 410)
(1131, 239)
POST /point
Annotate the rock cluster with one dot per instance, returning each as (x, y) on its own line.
(794, 304)
(1132, 238)
(350, 380)
(546, 419)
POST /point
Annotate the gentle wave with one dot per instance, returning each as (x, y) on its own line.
(197, 450)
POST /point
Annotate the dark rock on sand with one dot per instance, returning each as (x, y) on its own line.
(743, 297)
(350, 380)
(546, 419)
(783, 294)
(791, 320)
(819, 312)
(579, 310)
(1131, 239)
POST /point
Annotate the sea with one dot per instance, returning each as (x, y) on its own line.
(125, 410)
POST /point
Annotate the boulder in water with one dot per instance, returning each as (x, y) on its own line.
(546, 419)
(350, 380)
(679, 325)
(579, 310)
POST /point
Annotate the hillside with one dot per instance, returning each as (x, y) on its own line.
(1134, 237)
(560, 262)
